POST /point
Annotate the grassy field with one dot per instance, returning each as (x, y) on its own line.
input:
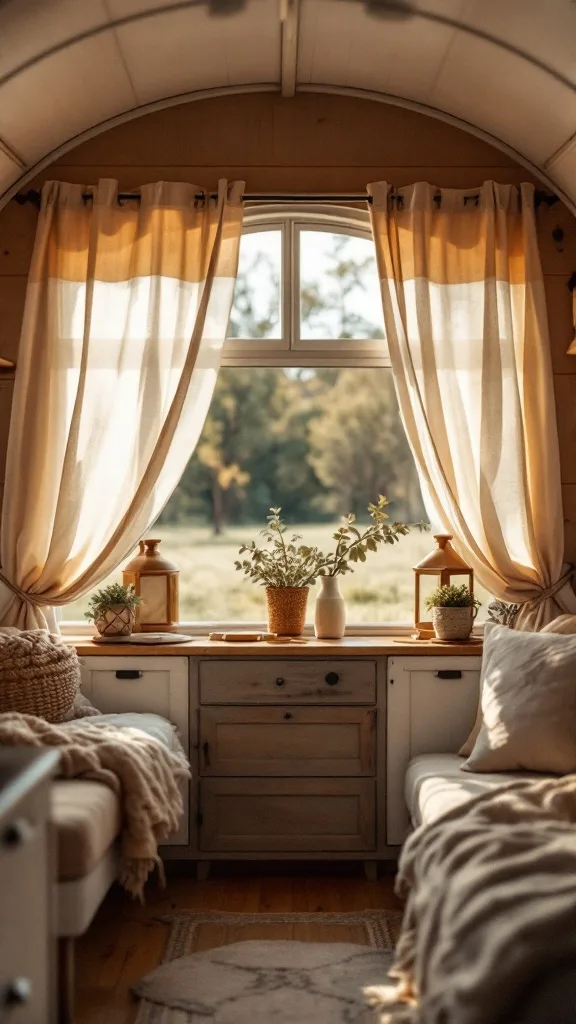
(380, 590)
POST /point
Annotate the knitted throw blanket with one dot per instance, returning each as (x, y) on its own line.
(138, 768)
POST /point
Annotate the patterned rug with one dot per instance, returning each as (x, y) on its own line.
(259, 968)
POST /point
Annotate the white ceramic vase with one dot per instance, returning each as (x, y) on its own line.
(330, 611)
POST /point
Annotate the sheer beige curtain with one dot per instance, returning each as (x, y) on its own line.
(126, 312)
(466, 325)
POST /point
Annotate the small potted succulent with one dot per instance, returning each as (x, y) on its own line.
(453, 612)
(112, 610)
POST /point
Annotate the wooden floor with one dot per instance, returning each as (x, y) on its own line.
(125, 939)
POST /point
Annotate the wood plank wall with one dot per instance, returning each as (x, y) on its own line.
(309, 143)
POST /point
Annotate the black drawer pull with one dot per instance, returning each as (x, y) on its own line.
(332, 678)
(448, 673)
(128, 673)
(280, 681)
(288, 716)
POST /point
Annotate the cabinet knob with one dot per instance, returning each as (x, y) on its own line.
(332, 678)
(17, 833)
(288, 716)
(280, 681)
(19, 991)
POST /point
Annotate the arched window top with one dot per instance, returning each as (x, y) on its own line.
(307, 291)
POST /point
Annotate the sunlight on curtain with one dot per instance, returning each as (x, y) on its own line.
(126, 312)
(466, 324)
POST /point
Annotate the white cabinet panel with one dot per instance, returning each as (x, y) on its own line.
(432, 706)
(149, 684)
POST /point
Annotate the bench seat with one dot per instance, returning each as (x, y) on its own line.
(435, 784)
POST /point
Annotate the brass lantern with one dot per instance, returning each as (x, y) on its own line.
(445, 563)
(155, 580)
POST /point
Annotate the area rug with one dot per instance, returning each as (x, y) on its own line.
(290, 968)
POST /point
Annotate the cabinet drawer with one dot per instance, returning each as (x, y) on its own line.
(146, 685)
(287, 815)
(299, 741)
(267, 681)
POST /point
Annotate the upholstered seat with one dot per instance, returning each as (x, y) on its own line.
(86, 817)
(435, 784)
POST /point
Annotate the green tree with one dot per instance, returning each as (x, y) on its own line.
(358, 447)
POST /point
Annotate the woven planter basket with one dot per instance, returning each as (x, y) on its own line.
(452, 623)
(286, 610)
(39, 675)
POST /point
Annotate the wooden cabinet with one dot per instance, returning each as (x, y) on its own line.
(296, 756)
(288, 815)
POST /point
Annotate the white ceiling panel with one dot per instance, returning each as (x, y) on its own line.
(9, 171)
(190, 50)
(64, 95)
(30, 27)
(504, 95)
(564, 170)
(341, 45)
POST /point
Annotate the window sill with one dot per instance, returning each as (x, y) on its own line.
(202, 629)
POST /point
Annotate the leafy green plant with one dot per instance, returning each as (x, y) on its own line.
(352, 546)
(105, 599)
(284, 563)
(451, 596)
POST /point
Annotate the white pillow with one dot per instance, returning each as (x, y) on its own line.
(528, 699)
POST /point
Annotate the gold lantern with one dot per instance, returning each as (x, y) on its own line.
(445, 563)
(155, 580)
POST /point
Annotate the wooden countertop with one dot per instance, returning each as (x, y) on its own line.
(349, 647)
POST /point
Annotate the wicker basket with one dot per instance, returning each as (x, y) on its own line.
(39, 675)
(452, 623)
(286, 610)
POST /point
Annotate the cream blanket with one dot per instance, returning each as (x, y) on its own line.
(142, 772)
(491, 905)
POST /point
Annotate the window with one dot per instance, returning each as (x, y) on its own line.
(307, 292)
(304, 416)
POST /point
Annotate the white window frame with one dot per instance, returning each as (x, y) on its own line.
(290, 349)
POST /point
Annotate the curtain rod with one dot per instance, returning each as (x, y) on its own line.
(33, 196)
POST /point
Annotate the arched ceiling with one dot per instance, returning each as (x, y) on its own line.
(506, 68)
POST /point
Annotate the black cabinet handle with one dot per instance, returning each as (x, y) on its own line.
(16, 833)
(280, 681)
(18, 992)
(448, 673)
(128, 673)
(332, 678)
(288, 716)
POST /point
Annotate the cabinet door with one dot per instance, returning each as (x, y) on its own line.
(432, 705)
(287, 815)
(287, 741)
(116, 684)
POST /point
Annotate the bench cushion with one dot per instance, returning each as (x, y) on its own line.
(435, 784)
(86, 816)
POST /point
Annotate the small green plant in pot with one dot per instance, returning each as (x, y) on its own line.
(112, 610)
(453, 611)
(287, 570)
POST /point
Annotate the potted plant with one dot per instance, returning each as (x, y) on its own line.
(287, 570)
(352, 546)
(453, 612)
(112, 609)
